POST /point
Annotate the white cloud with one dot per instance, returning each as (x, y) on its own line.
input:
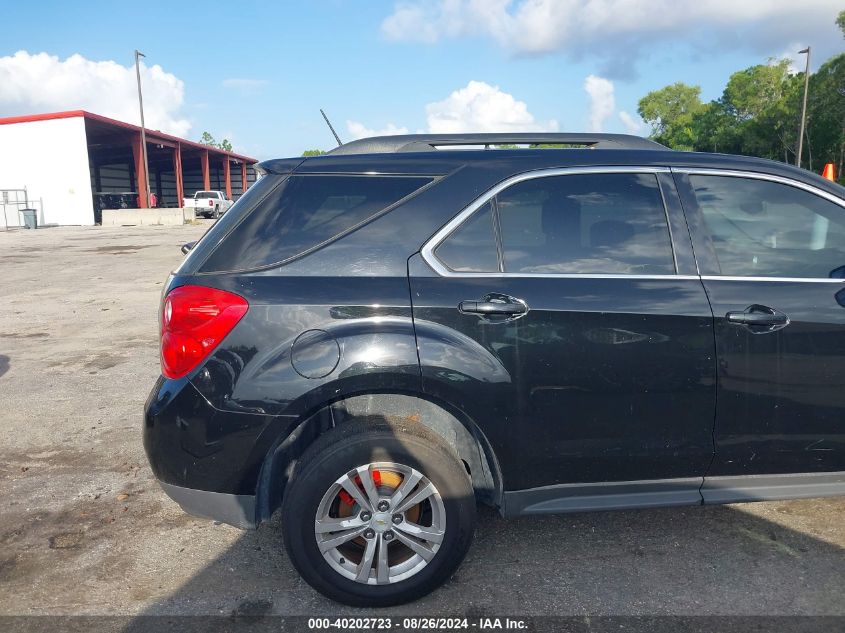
(602, 101)
(603, 104)
(409, 22)
(617, 30)
(244, 85)
(480, 107)
(797, 62)
(359, 130)
(632, 125)
(44, 83)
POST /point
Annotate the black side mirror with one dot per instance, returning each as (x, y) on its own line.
(187, 247)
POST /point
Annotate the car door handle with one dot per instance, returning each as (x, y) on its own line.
(492, 307)
(757, 315)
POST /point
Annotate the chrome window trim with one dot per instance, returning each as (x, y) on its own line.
(452, 273)
(427, 251)
(738, 173)
(810, 280)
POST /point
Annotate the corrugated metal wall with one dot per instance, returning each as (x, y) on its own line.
(113, 171)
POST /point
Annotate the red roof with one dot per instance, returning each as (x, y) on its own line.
(151, 134)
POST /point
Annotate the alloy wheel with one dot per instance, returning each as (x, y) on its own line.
(380, 523)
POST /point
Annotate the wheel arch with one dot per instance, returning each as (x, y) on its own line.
(448, 422)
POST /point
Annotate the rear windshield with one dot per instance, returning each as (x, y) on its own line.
(304, 212)
(206, 194)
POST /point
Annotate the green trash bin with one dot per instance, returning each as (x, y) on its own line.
(30, 218)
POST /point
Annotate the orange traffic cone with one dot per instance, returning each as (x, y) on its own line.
(829, 172)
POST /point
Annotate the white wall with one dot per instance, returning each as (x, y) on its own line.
(50, 159)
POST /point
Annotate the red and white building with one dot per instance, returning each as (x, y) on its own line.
(73, 164)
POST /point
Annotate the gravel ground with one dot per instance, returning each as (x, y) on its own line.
(84, 528)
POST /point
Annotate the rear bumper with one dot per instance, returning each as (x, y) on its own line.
(236, 510)
(208, 460)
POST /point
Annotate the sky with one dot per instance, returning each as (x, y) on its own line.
(258, 73)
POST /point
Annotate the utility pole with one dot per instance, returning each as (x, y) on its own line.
(146, 183)
(803, 107)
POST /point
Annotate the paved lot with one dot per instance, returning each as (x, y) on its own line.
(84, 529)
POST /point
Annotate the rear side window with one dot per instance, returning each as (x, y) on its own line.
(304, 212)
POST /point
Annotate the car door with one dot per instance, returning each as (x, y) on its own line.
(555, 314)
(772, 256)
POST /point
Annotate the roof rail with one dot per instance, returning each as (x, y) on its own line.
(429, 142)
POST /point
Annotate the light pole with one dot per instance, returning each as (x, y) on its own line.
(803, 107)
(146, 183)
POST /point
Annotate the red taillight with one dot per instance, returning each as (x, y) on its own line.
(210, 202)
(194, 320)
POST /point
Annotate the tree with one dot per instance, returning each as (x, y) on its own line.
(714, 130)
(208, 139)
(670, 112)
(751, 92)
(758, 114)
(826, 113)
(313, 152)
(760, 104)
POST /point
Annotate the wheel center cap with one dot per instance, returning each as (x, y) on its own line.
(381, 521)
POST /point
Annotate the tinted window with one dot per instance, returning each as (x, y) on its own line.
(767, 229)
(303, 212)
(472, 246)
(591, 223)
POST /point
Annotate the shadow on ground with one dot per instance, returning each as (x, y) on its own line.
(701, 561)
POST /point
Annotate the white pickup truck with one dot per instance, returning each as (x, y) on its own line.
(211, 204)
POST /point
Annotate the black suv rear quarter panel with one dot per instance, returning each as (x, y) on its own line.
(304, 342)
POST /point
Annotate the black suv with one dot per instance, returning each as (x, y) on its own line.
(376, 339)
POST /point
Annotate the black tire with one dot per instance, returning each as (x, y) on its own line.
(361, 442)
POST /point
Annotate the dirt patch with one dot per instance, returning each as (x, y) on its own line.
(151, 343)
(118, 250)
(87, 362)
(68, 540)
(253, 608)
(7, 566)
(63, 460)
(105, 361)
